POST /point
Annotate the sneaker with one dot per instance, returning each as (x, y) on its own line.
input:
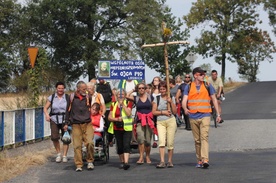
(90, 166)
(64, 159)
(199, 164)
(79, 169)
(121, 166)
(205, 164)
(58, 158)
(161, 165)
(154, 145)
(169, 165)
(126, 166)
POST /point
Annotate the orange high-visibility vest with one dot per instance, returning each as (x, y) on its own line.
(199, 100)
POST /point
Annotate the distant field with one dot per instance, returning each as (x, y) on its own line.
(16, 101)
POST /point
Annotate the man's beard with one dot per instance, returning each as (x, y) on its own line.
(82, 94)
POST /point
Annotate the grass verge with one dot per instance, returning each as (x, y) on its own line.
(229, 86)
(12, 166)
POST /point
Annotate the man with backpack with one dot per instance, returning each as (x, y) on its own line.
(78, 115)
(196, 104)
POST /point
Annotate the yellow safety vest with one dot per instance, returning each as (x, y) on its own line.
(124, 83)
(127, 120)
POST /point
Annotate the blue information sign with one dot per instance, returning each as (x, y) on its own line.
(121, 69)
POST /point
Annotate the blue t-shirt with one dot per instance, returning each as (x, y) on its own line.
(199, 115)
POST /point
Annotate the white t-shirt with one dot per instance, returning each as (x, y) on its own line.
(130, 85)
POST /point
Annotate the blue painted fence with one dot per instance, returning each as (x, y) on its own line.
(23, 125)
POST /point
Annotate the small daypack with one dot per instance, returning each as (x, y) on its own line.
(67, 97)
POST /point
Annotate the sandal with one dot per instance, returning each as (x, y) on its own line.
(169, 165)
(148, 160)
(140, 162)
(161, 165)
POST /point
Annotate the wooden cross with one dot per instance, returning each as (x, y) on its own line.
(165, 55)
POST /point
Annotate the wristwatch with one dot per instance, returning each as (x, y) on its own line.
(218, 115)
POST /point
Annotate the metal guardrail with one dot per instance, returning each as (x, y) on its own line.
(21, 126)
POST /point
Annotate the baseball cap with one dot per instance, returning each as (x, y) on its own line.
(198, 70)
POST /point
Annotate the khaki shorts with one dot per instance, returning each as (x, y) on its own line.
(144, 134)
(166, 132)
(55, 128)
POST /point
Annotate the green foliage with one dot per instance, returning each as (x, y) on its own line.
(74, 35)
(270, 6)
(81, 32)
(154, 57)
(36, 77)
(8, 18)
(225, 18)
(256, 47)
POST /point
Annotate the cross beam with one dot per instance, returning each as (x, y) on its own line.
(166, 58)
(162, 44)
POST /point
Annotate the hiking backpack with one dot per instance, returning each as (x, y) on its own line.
(106, 91)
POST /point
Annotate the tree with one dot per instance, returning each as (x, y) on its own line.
(270, 6)
(154, 56)
(256, 47)
(225, 19)
(79, 33)
(36, 78)
(8, 18)
(207, 67)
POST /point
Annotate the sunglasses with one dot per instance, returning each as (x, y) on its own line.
(142, 88)
(187, 77)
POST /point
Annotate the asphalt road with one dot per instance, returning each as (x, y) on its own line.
(241, 150)
(252, 101)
